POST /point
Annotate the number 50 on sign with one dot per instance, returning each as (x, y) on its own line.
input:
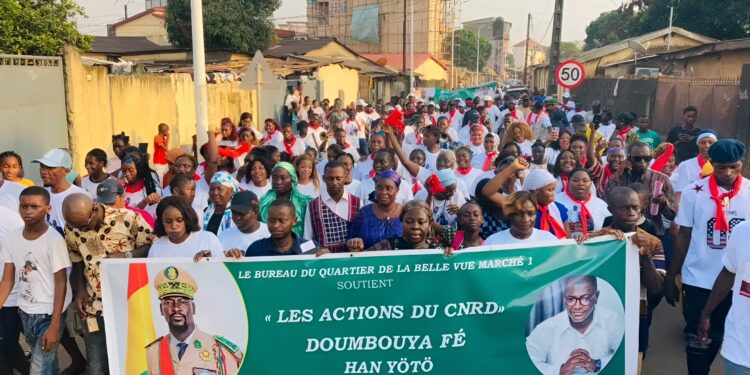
(570, 74)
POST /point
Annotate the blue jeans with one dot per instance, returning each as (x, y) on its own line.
(10, 330)
(731, 368)
(96, 349)
(34, 328)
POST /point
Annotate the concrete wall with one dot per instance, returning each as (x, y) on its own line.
(100, 105)
(32, 108)
(338, 82)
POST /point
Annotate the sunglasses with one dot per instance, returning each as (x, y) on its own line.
(640, 159)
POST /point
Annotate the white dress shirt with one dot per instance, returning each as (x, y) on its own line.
(550, 343)
(340, 208)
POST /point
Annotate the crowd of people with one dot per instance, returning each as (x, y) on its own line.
(409, 173)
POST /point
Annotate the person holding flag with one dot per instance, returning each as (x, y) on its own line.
(710, 209)
(186, 350)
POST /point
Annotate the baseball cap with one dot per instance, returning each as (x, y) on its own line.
(550, 100)
(487, 98)
(244, 201)
(108, 190)
(361, 102)
(566, 94)
(55, 158)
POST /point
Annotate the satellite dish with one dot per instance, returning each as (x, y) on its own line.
(381, 61)
(637, 47)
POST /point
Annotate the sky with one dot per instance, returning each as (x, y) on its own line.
(576, 15)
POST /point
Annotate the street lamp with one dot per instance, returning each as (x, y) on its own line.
(479, 33)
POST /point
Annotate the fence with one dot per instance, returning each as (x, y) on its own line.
(716, 100)
(32, 107)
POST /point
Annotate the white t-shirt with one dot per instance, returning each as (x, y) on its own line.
(9, 193)
(297, 149)
(232, 238)
(703, 261)
(114, 163)
(736, 346)
(9, 221)
(55, 217)
(504, 237)
(308, 189)
(687, 172)
(362, 170)
(596, 206)
(606, 130)
(197, 241)
(469, 179)
(525, 147)
(353, 132)
(430, 161)
(440, 208)
(36, 263)
(353, 187)
(258, 190)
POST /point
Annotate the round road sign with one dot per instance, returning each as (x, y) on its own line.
(570, 74)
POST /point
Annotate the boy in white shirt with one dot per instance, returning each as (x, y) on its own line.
(37, 257)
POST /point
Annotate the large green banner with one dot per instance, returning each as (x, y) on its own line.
(486, 89)
(555, 308)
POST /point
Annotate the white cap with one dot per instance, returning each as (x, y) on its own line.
(537, 179)
(361, 102)
(460, 103)
(566, 94)
(55, 158)
(487, 98)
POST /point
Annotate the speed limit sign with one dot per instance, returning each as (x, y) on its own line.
(570, 74)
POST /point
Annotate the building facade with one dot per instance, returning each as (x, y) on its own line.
(497, 31)
(382, 21)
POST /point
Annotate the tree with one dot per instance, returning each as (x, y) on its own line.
(235, 25)
(569, 50)
(510, 60)
(719, 19)
(40, 27)
(466, 49)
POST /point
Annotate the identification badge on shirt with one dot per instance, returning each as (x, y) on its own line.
(745, 288)
(307, 246)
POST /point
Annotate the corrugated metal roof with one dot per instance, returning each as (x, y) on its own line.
(623, 44)
(124, 45)
(364, 66)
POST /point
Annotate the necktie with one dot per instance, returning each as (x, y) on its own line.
(181, 349)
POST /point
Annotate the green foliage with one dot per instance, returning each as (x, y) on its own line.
(235, 25)
(569, 50)
(719, 19)
(466, 49)
(40, 27)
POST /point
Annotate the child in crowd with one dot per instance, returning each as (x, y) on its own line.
(161, 144)
(11, 167)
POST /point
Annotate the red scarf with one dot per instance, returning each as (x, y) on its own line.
(701, 163)
(314, 126)
(416, 187)
(418, 137)
(488, 160)
(549, 223)
(623, 134)
(662, 160)
(463, 171)
(585, 214)
(269, 137)
(135, 188)
(196, 177)
(434, 186)
(290, 146)
(564, 180)
(721, 199)
(513, 113)
(451, 114)
(359, 127)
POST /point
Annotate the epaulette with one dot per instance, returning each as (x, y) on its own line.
(155, 341)
(230, 346)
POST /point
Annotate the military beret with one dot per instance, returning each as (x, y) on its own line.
(726, 151)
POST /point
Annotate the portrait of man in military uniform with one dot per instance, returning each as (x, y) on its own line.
(186, 350)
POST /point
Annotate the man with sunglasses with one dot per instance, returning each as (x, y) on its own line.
(94, 231)
(580, 339)
(635, 169)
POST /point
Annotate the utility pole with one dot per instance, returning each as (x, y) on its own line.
(554, 51)
(411, 46)
(403, 53)
(669, 37)
(126, 11)
(199, 73)
(526, 53)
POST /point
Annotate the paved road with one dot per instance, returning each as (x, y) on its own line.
(666, 355)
